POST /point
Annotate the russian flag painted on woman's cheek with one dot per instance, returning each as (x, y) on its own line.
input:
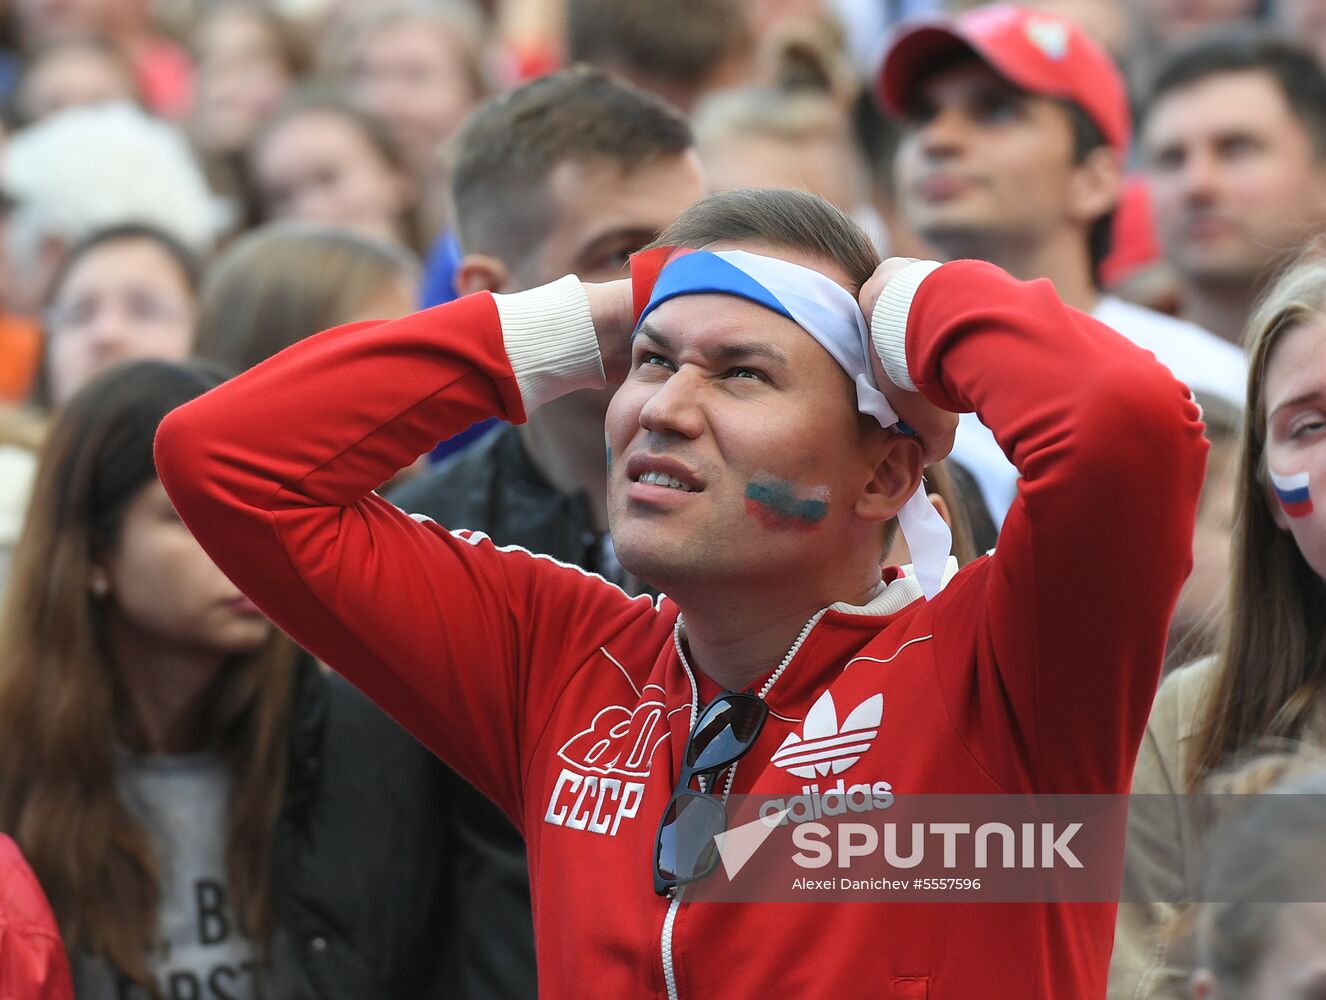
(1292, 492)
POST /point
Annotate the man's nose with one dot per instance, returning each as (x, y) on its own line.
(108, 331)
(944, 132)
(1201, 176)
(676, 406)
(315, 204)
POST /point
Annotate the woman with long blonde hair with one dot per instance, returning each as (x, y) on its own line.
(1267, 682)
(208, 814)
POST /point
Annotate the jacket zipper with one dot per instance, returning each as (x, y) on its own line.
(670, 919)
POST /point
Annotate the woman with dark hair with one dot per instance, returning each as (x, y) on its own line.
(1267, 680)
(194, 799)
(124, 292)
(125, 647)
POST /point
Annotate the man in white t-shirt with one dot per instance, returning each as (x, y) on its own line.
(1015, 130)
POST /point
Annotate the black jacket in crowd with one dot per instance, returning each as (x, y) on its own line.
(360, 861)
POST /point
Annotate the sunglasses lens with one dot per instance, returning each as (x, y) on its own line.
(686, 847)
(725, 731)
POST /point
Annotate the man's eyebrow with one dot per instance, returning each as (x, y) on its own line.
(645, 330)
(721, 352)
(753, 349)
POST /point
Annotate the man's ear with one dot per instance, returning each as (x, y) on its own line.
(895, 476)
(1097, 185)
(478, 272)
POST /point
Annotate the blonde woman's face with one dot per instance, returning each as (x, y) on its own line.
(1295, 398)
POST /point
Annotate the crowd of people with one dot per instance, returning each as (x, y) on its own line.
(430, 430)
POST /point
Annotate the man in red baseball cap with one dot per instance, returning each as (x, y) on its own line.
(1039, 52)
(1015, 130)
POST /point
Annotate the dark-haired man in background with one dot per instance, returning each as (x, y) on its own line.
(1015, 128)
(567, 175)
(1234, 136)
(678, 50)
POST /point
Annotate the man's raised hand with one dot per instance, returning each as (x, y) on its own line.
(610, 305)
(934, 426)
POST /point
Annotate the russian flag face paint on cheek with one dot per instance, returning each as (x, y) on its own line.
(779, 506)
(1292, 492)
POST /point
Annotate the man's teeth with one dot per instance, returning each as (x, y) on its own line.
(663, 479)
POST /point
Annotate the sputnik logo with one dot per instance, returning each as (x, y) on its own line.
(826, 747)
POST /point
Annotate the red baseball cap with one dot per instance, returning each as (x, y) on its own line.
(1037, 51)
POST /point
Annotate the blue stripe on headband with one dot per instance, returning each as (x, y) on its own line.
(702, 272)
(813, 301)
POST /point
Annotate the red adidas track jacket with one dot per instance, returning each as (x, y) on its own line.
(569, 703)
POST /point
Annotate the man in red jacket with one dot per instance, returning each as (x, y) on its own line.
(755, 463)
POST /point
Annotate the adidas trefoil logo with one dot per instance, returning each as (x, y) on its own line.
(826, 747)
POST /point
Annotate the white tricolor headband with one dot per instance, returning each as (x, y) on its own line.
(830, 314)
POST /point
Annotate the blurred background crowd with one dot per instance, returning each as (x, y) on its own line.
(189, 186)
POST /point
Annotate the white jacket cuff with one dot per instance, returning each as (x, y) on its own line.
(550, 342)
(888, 324)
